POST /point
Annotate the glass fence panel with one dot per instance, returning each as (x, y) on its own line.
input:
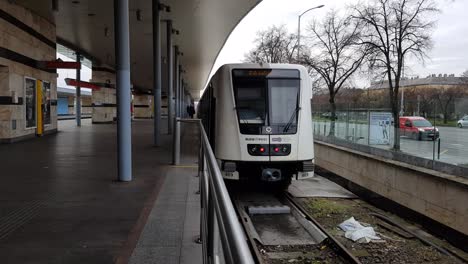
(434, 132)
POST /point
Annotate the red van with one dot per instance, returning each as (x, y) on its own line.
(417, 127)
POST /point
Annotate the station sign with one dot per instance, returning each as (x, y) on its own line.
(82, 84)
(59, 64)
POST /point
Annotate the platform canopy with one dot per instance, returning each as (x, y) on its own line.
(204, 25)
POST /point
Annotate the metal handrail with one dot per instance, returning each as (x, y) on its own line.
(222, 236)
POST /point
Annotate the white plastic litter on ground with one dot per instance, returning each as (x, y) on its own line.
(357, 232)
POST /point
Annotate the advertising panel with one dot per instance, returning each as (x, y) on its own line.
(380, 125)
(30, 102)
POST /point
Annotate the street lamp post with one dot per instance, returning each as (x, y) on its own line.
(299, 29)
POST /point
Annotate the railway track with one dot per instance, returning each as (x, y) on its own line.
(280, 230)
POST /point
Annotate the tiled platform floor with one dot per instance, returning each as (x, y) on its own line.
(60, 203)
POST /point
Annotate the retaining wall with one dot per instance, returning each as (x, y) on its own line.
(437, 195)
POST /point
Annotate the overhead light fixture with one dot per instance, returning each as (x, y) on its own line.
(138, 15)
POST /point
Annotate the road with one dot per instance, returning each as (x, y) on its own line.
(453, 147)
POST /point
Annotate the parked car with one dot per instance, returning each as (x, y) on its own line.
(463, 122)
(417, 127)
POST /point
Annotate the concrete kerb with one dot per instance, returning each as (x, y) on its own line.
(398, 156)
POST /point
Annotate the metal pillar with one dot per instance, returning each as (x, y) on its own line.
(176, 143)
(181, 83)
(122, 56)
(170, 68)
(78, 92)
(156, 73)
(184, 102)
(181, 95)
(176, 79)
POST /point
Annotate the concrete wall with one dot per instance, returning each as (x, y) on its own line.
(86, 105)
(104, 100)
(71, 105)
(439, 196)
(22, 51)
(142, 106)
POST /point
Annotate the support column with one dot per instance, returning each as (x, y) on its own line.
(185, 101)
(122, 55)
(182, 105)
(176, 79)
(78, 92)
(182, 98)
(156, 73)
(181, 83)
(170, 68)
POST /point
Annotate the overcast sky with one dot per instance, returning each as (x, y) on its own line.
(67, 73)
(449, 54)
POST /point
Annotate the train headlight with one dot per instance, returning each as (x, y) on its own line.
(257, 149)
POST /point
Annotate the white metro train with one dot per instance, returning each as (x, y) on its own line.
(259, 122)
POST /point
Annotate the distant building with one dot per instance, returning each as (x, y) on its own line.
(431, 81)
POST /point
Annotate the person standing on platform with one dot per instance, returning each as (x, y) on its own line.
(190, 110)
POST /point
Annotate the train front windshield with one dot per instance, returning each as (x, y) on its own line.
(267, 99)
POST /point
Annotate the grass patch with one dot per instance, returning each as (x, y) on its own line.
(450, 123)
(325, 207)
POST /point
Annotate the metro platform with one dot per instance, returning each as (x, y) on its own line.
(60, 201)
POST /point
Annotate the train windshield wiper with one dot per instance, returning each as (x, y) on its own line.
(291, 119)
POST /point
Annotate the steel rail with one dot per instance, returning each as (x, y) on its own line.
(242, 215)
(331, 239)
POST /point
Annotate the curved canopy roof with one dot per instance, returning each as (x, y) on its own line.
(204, 25)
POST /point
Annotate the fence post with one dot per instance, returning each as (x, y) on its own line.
(438, 148)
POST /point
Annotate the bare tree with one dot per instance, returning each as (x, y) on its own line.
(420, 100)
(274, 45)
(464, 77)
(395, 29)
(335, 54)
(445, 98)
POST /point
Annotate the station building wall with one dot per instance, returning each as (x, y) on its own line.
(25, 40)
(66, 105)
(104, 101)
(87, 105)
(143, 106)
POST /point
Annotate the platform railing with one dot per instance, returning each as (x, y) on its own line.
(222, 237)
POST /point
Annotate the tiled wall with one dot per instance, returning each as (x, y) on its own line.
(143, 106)
(19, 43)
(104, 100)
